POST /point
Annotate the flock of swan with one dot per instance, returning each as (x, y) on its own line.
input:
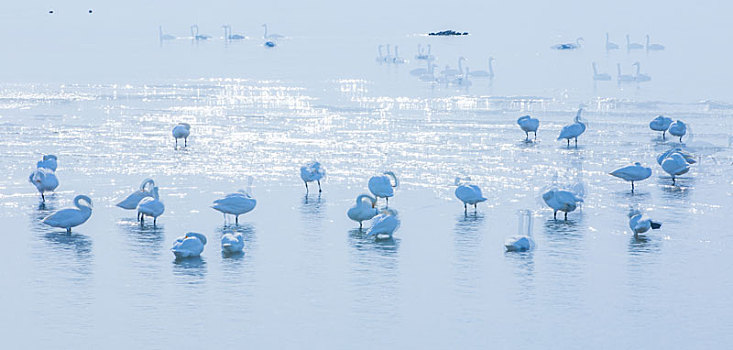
(637, 76)
(271, 39)
(384, 222)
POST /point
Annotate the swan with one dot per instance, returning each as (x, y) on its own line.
(462, 80)
(380, 58)
(638, 77)
(599, 76)
(482, 73)
(228, 34)
(573, 130)
(429, 76)
(71, 217)
(523, 241)
(385, 224)
(382, 186)
(271, 36)
(364, 209)
(678, 128)
(232, 243)
(49, 161)
(163, 36)
(181, 131)
(388, 57)
(675, 165)
(190, 245)
(561, 200)
(635, 172)
(421, 71)
(568, 46)
(447, 72)
(468, 194)
(424, 56)
(134, 198)
(610, 45)
(653, 47)
(45, 180)
(632, 46)
(623, 78)
(529, 124)
(660, 123)
(236, 204)
(195, 33)
(641, 224)
(689, 157)
(151, 206)
(397, 59)
(270, 44)
(312, 172)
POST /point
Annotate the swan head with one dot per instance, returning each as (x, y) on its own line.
(637, 163)
(633, 212)
(49, 156)
(200, 236)
(84, 198)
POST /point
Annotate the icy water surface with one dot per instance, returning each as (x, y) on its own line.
(309, 277)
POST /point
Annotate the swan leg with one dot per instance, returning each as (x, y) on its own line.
(185, 142)
(155, 220)
(474, 208)
(576, 142)
(663, 135)
(68, 230)
(566, 216)
(465, 208)
(306, 187)
(176, 142)
(360, 225)
(527, 138)
(632, 186)
(319, 186)
(142, 219)
(43, 198)
(554, 215)
(568, 143)
(673, 180)
(236, 219)
(680, 139)
(387, 199)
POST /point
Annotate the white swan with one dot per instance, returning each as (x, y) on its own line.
(190, 245)
(623, 78)
(462, 80)
(561, 200)
(529, 124)
(397, 59)
(388, 57)
(568, 46)
(150, 206)
(638, 76)
(689, 157)
(523, 241)
(632, 46)
(641, 224)
(610, 45)
(574, 130)
(678, 128)
(131, 201)
(653, 47)
(632, 173)
(450, 72)
(429, 76)
(162, 36)
(384, 224)
(382, 186)
(71, 217)
(483, 73)
(195, 33)
(675, 165)
(236, 204)
(181, 131)
(660, 123)
(232, 243)
(380, 58)
(420, 71)
(45, 180)
(364, 209)
(421, 55)
(312, 172)
(468, 194)
(271, 36)
(228, 34)
(599, 76)
(49, 161)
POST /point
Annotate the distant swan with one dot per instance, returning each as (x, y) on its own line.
(660, 123)
(641, 224)
(162, 36)
(632, 46)
(638, 77)
(632, 173)
(134, 198)
(364, 209)
(523, 241)
(561, 200)
(678, 128)
(574, 130)
(482, 73)
(384, 224)
(675, 165)
(468, 194)
(568, 46)
(150, 206)
(424, 55)
(610, 45)
(232, 243)
(382, 186)
(397, 59)
(71, 217)
(45, 180)
(623, 78)
(529, 124)
(312, 172)
(190, 245)
(195, 33)
(380, 58)
(653, 47)
(271, 36)
(181, 131)
(599, 76)
(49, 161)
(228, 34)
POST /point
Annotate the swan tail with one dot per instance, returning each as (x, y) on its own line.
(656, 225)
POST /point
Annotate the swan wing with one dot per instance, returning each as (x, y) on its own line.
(131, 201)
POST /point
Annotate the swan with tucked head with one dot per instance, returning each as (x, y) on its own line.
(574, 130)
(71, 217)
(364, 209)
(678, 128)
(232, 243)
(384, 225)
(311, 172)
(468, 194)
(181, 131)
(131, 201)
(189, 246)
(523, 241)
(528, 124)
(675, 165)
(151, 206)
(382, 186)
(661, 123)
(561, 200)
(634, 172)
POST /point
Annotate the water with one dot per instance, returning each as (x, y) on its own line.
(309, 278)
